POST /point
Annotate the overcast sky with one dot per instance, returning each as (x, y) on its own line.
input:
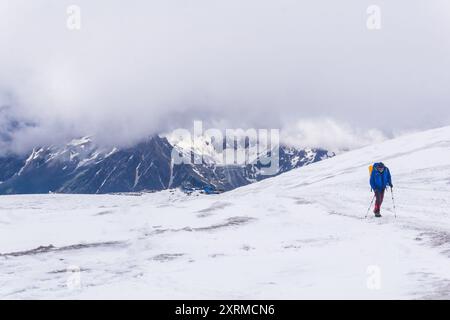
(142, 67)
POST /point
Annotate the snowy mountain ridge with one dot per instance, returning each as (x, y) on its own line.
(80, 166)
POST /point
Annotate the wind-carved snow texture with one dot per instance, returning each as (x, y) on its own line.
(230, 222)
(299, 235)
(51, 248)
(213, 208)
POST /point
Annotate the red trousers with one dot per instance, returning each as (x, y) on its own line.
(379, 197)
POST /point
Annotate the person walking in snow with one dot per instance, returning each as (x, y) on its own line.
(380, 179)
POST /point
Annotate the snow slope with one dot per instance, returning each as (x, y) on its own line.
(298, 235)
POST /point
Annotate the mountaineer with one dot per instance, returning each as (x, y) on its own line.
(380, 179)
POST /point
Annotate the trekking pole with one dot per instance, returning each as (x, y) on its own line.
(370, 206)
(393, 203)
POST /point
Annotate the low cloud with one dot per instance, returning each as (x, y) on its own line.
(329, 134)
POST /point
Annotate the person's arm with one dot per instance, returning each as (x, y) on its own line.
(389, 178)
